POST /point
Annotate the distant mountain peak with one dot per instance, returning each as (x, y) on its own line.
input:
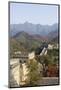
(27, 23)
(33, 29)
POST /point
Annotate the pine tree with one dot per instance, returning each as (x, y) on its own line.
(34, 74)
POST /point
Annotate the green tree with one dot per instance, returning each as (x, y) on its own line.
(34, 74)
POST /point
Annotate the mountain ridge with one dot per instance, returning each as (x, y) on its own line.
(32, 29)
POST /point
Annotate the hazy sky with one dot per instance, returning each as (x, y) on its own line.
(33, 13)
